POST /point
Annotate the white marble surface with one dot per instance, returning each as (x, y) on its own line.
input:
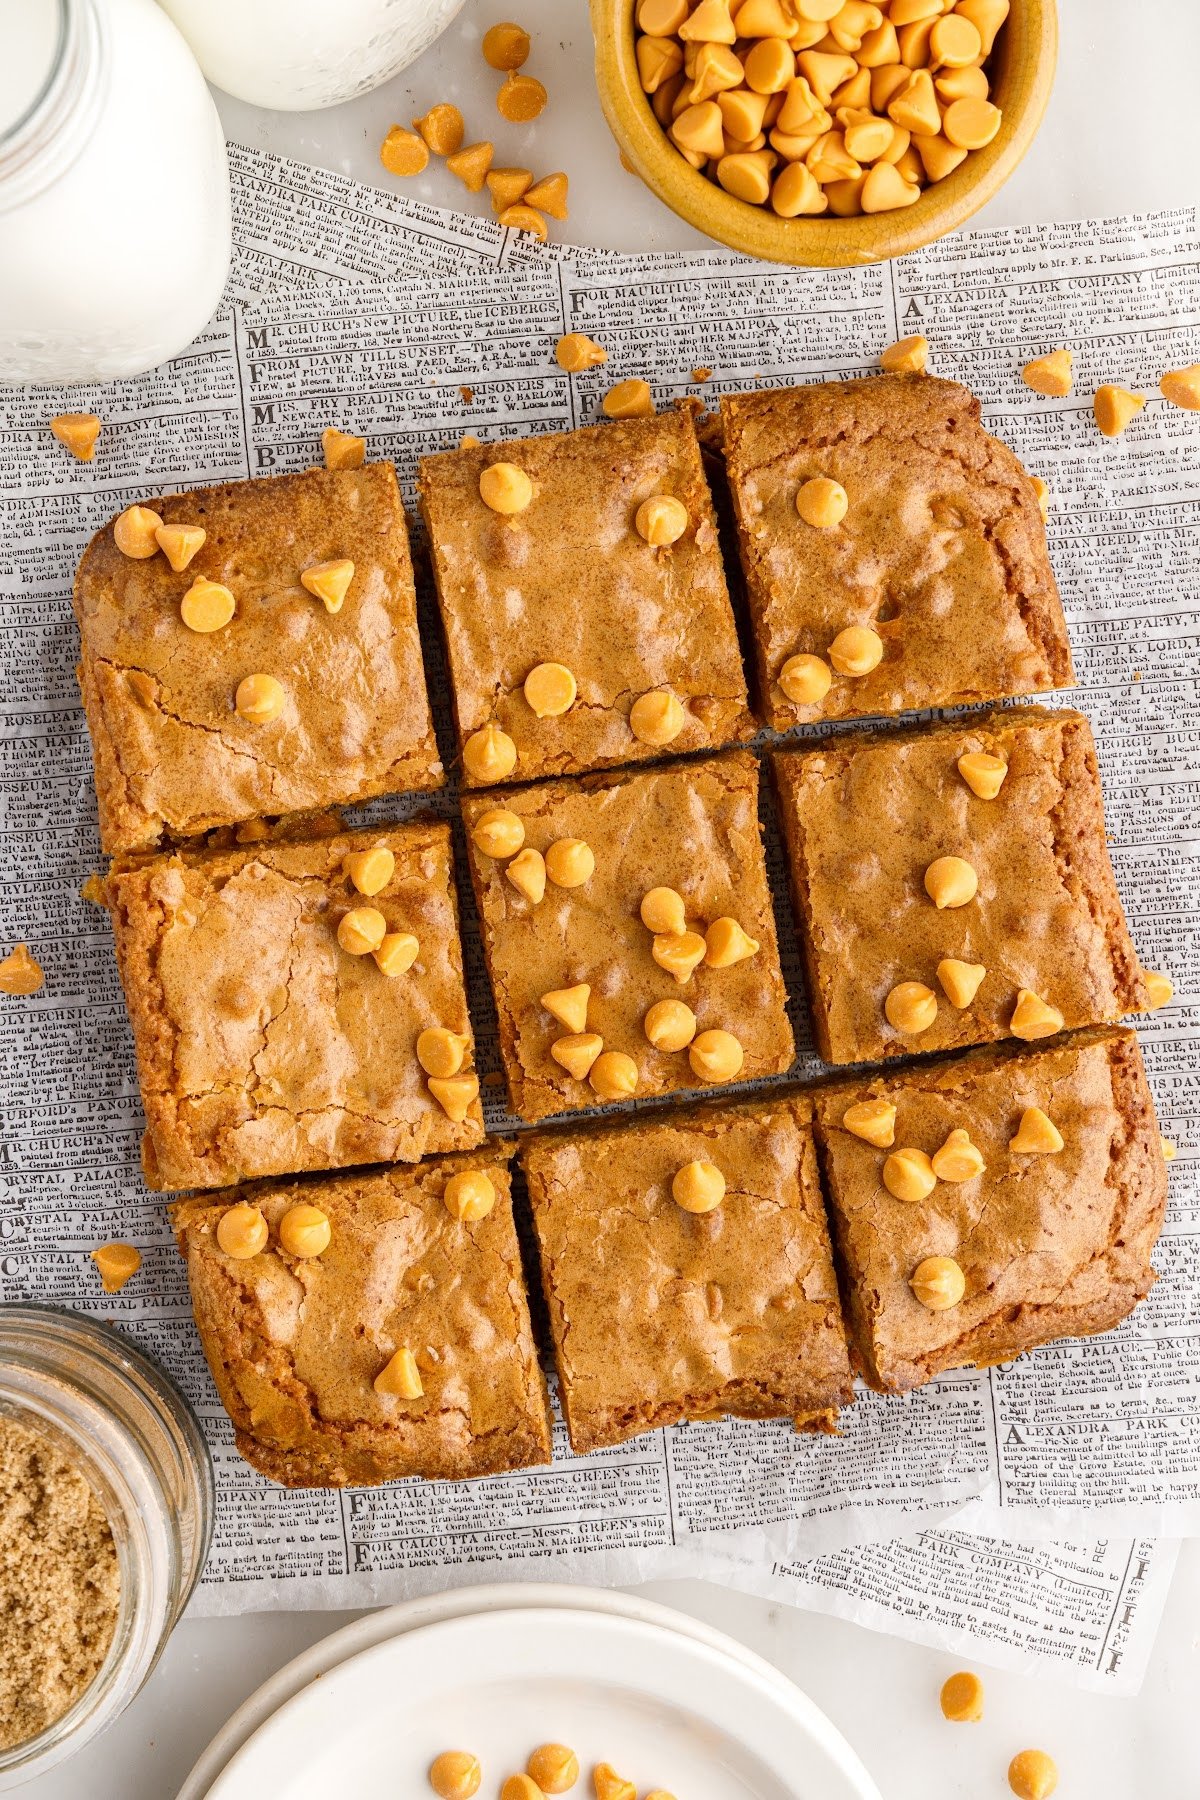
(1122, 135)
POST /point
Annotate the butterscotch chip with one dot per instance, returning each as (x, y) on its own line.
(401, 1376)
(520, 1787)
(699, 1187)
(554, 1767)
(521, 98)
(304, 1231)
(1181, 387)
(961, 1698)
(442, 129)
(570, 862)
(370, 870)
(505, 488)
(78, 431)
(507, 186)
(872, 1120)
(469, 1196)
(1114, 407)
(1034, 1017)
(329, 581)
(549, 195)
(805, 679)
(577, 351)
(441, 1052)
(1050, 374)
(951, 882)
(403, 152)
(569, 1005)
(116, 1264)
(471, 165)
(455, 1094)
(259, 699)
(20, 973)
(207, 605)
(524, 218)
(505, 47)
(669, 1025)
(498, 833)
(577, 1053)
(661, 520)
(361, 930)
(728, 944)
(630, 399)
(909, 1175)
(983, 773)
(1169, 1149)
(1159, 989)
(716, 1056)
(663, 910)
(1037, 1135)
(679, 952)
(1033, 1775)
(938, 1283)
(607, 1783)
(527, 872)
(657, 718)
(960, 981)
(489, 754)
(342, 450)
(822, 503)
(179, 543)
(910, 1007)
(134, 532)
(242, 1231)
(856, 651)
(907, 357)
(614, 1075)
(958, 1159)
(397, 953)
(550, 689)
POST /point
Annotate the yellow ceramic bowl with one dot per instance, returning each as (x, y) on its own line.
(1022, 72)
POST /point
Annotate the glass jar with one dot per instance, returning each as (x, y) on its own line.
(118, 1417)
(114, 191)
(296, 55)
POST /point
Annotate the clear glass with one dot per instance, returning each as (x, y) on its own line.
(128, 1428)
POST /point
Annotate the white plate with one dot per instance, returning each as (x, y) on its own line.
(665, 1708)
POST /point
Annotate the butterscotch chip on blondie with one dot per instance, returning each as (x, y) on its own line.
(569, 579)
(1046, 1242)
(303, 1351)
(941, 875)
(660, 1313)
(688, 827)
(940, 555)
(276, 1011)
(176, 752)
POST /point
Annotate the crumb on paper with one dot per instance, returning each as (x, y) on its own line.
(468, 394)
(702, 374)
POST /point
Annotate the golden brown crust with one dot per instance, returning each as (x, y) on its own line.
(571, 581)
(692, 826)
(263, 1048)
(294, 1346)
(1051, 1245)
(942, 551)
(173, 758)
(658, 1314)
(864, 816)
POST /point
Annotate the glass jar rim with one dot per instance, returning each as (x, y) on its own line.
(49, 136)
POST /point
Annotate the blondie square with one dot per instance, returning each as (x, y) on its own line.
(264, 1045)
(1029, 934)
(659, 1313)
(1039, 1225)
(595, 1005)
(407, 1295)
(938, 569)
(174, 755)
(571, 581)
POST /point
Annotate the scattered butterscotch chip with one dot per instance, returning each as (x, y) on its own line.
(872, 1120)
(613, 1075)
(569, 1005)
(549, 195)
(471, 165)
(699, 1187)
(958, 1159)
(577, 351)
(983, 773)
(657, 717)
(455, 1094)
(304, 1230)
(554, 1767)
(505, 488)
(179, 543)
(79, 431)
(659, 1794)
(570, 862)
(1050, 374)
(1032, 1775)
(728, 944)
(361, 930)
(520, 1787)
(207, 605)
(397, 953)
(468, 441)
(822, 503)
(342, 450)
(1114, 407)
(20, 973)
(455, 1774)
(403, 152)
(242, 1231)
(550, 689)
(909, 1175)
(370, 870)
(938, 1283)
(962, 1698)
(907, 357)
(960, 981)
(329, 581)
(489, 754)
(1033, 1017)
(669, 1025)
(663, 910)
(524, 218)
(1036, 1135)
(508, 186)
(498, 833)
(805, 679)
(661, 520)
(577, 1053)
(1182, 387)
(630, 399)
(441, 129)
(469, 1196)
(116, 1263)
(441, 1052)
(679, 953)
(1168, 1148)
(716, 1056)
(1158, 989)
(527, 872)
(134, 532)
(951, 882)
(607, 1783)
(259, 699)
(856, 651)
(911, 1007)
(400, 1376)
(505, 47)
(521, 98)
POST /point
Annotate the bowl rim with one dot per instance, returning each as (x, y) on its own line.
(1029, 51)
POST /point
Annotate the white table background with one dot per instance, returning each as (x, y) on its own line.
(1122, 135)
